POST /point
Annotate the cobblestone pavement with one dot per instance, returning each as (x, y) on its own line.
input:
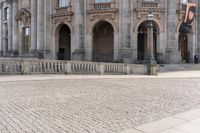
(93, 105)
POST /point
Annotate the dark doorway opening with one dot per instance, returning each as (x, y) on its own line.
(103, 42)
(64, 51)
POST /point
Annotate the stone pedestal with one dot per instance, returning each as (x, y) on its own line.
(152, 69)
(126, 55)
(78, 55)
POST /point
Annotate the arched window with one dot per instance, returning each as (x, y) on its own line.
(63, 3)
(149, 0)
(184, 1)
(102, 1)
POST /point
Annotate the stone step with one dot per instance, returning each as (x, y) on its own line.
(178, 67)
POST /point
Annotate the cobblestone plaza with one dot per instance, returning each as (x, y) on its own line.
(92, 104)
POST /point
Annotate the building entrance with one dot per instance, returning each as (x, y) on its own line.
(64, 50)
(103, 42)
(183, 47)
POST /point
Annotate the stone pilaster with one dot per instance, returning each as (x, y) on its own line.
(47, 29)
(33, 25)
(125, 52)
(172, 54)
(15, 28)
(126, 23)
(1, 30)
(78, 30)
(40, 25)
(198, 31)
(10, 27)
(5, 39)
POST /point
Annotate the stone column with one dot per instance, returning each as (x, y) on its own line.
(10, 28)
(1, 31)
(40, 25)
(15, 28)
(33, 25)
(5, 39)
(88, 47)
(198, 31)
(150, 54)
(172, 54)
(78, 30)
(126, 23)
(125, 29)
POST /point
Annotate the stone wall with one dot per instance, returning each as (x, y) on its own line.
(44, 17)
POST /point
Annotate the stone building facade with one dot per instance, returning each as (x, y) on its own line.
(97, 30)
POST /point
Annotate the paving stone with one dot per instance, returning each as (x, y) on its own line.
(188, 128)
(92, 105)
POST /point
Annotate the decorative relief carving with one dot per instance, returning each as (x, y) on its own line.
(102, 14)
(141, 13)
(24, 16)
(62, 17)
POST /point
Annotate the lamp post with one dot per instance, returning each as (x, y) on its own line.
(149, 59)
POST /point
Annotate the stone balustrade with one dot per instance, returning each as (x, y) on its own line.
(102, 6)
(148, 4)
(36, 66)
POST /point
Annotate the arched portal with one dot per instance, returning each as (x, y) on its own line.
(183, 43)
(183, 46)
(103, 42)
(64, 42)
(142, 41)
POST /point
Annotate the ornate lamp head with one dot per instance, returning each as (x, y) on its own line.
(150, 16)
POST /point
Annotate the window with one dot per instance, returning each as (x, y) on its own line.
(26, 36)
(149, 0)
(187, 1)
(102, 1)
(63, 3)
(6, 13)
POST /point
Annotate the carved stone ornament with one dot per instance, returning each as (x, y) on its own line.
(24, 16)
(102, 14)
(141, 13)
(62, 17)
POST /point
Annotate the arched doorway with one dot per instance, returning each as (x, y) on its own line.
(64, 42)
(183, 43)
(142, 41)
(183, 47)
(103, 42)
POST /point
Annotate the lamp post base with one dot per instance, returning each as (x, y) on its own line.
(149, 61)
(152, 66)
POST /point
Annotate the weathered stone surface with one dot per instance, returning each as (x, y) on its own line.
(45, 18)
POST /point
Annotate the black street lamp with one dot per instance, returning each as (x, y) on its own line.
(149, 59)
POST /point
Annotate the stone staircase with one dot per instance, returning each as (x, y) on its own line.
(178, 67)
